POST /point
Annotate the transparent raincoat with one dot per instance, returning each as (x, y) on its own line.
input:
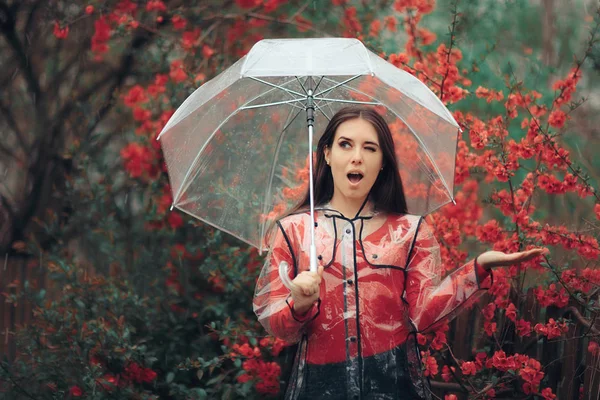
(381, 285)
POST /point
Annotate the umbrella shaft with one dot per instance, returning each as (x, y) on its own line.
(310, 119)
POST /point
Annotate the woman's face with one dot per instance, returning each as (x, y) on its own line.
(355, 159)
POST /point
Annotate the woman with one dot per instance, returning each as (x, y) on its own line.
(378, 281)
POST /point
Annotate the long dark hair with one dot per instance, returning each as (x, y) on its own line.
(387, 193)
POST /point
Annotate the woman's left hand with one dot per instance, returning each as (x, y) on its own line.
(492, 259)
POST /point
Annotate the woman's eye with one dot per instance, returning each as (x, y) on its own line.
(344, 145)
(373, 149)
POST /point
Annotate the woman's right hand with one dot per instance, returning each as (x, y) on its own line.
(306, 289)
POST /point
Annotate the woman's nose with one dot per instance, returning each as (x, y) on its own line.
(357, 156)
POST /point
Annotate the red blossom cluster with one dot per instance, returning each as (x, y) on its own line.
(589, 279)
(420, 6)
(60, 32)
(529, 369)
(265, 374)
(133, 373)
(136, 373)
(102, 34)
(488, 94)
(552, 296)
(75, 391)
(566, 87)
(594, 348)
(140, 161)
(430, 364)
(552, 330)
(448, 373)
(438, 338)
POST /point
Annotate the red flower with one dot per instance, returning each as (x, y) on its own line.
(390, 23)
(136, 373)
(511, 312)
(207, 51)
(177, 73)
(189, 39)
(160, 80)
(548, 395)
(75, 391)
(179, 23)
(375, 28)
(89, 9)
(102, 34)
(468, 368)
(491, 232)
(175, 220)
(139, 160)
(503, 363)
(248, 3)
(156, 5)
(594, 348)
(489, 311)
(557, 118)
(489, 327)
(135, 96)
(60, 33)
(532, 375)
(439, 340)
(447, 373)
(523, 327)
(430, 364)
(140, 114)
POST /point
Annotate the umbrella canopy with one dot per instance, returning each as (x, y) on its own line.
(236, 149)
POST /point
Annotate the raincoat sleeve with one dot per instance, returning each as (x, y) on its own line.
(433, 300)
(273, 303)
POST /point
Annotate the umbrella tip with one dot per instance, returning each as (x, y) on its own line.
(173, 205)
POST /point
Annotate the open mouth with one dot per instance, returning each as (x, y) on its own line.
(355, 177)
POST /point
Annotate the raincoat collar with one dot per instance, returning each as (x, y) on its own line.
(367, 211)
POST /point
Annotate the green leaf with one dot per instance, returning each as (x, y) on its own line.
(170, 377)
(199, 393)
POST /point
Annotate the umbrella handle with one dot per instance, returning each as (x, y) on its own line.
(283, 275)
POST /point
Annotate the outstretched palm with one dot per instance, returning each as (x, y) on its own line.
(492, 259)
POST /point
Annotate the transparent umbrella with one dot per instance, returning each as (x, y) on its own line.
(239, 147)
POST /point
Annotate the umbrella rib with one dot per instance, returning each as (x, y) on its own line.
(319, 83)
(336, 86)
(278, 86)
(425, 149)
(318, 107)
(374, 103)
(276, 103)
(301, 85)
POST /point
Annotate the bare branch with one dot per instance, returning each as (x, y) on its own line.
(581, 319)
